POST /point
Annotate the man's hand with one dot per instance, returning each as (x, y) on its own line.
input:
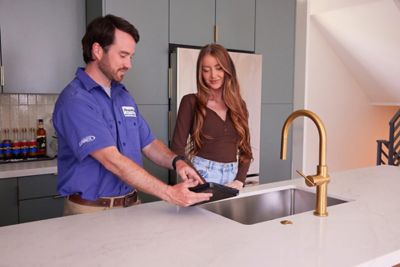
(235, 184)
(186, 172)
(180, 194)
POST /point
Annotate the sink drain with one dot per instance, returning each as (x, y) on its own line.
(284, 222)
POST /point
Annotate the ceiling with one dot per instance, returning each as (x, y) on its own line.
(365, 34)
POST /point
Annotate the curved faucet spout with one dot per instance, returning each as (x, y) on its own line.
(321, 179)
(321, 132)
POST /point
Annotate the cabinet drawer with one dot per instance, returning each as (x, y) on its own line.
(40, 209)
(8, 202)
(37, 186)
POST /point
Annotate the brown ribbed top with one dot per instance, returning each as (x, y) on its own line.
(219, 137)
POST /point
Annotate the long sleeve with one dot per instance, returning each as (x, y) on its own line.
(243, 168)
(184, 123)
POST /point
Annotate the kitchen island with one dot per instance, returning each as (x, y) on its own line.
(365, 231)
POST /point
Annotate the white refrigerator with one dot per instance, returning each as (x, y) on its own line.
(182, 81)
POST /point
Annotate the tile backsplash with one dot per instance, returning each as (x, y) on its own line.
(23, 110)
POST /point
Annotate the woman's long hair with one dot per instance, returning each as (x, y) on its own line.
(231, 96)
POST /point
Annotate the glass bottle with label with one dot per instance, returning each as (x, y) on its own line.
(7, 153)
(24, 144)
(15, 144)
(1, 145)
(41, 139)
(32, 144)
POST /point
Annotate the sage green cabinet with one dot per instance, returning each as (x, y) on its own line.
(148, 78)
(275, 40)
(38, 198)
(40, 44)
(30, 198)
(235, 20)
(192, 23)
(40, 209)
(8, 201)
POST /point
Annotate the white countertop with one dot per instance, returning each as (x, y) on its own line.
(362, 232)
(18, 169)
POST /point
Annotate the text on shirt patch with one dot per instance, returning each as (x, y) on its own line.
(87, 139)
(129, 111)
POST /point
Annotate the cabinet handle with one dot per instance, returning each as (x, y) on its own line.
(1, 67)
(1, 76)
(170, 82)
(169, 104)
(215, 34)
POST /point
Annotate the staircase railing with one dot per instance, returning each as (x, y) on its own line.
(388, 151)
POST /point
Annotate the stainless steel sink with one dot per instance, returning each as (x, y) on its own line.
(267, 206)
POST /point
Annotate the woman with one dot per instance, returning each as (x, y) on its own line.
(216, 119)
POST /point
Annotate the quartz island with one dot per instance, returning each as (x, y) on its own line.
(365, 231)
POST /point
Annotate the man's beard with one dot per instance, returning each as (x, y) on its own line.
(107, 71)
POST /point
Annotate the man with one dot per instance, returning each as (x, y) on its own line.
(101, 133)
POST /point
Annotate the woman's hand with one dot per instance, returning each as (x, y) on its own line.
(235, 184)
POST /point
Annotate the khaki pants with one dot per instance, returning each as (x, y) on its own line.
(72, 208)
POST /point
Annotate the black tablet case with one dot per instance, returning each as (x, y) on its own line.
(219, 191)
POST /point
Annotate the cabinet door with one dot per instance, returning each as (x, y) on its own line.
(37, 186)
(275, 39)
(192, 22)
(273, 168)
(38, 198)
(156, 116)
(278, 48)
(148, 78)
(40, 41)
(8, 202)
(40, 209)
(235, 20)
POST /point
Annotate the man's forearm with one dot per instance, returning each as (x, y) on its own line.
(131, 173)
(136, 176)
(159, 153)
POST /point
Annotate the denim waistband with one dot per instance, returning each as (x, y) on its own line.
(213, 164)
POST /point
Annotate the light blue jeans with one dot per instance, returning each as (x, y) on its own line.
(215, 172)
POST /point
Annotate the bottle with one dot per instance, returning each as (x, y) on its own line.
(32, 144)
(41, 139)
(24, 144)
(7, 153)
(15, 144)
(1, 145)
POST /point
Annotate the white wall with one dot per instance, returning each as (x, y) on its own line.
(353, 124)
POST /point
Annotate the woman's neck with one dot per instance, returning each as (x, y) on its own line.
(216, 95)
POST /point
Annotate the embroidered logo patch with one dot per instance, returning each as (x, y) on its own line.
(129, 111)
(87, 139)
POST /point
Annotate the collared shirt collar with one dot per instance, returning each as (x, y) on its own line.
(89, 84)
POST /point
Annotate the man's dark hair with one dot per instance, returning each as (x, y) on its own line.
(101, 30)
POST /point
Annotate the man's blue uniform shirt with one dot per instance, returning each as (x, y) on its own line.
(86, 119)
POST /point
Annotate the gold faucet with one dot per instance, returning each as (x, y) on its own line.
(321, 179)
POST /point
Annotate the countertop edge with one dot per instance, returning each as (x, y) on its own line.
(23, 169)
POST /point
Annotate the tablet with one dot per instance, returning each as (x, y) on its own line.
(219, 191)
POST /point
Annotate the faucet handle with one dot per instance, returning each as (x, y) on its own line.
(309, 182)
(301, 174)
